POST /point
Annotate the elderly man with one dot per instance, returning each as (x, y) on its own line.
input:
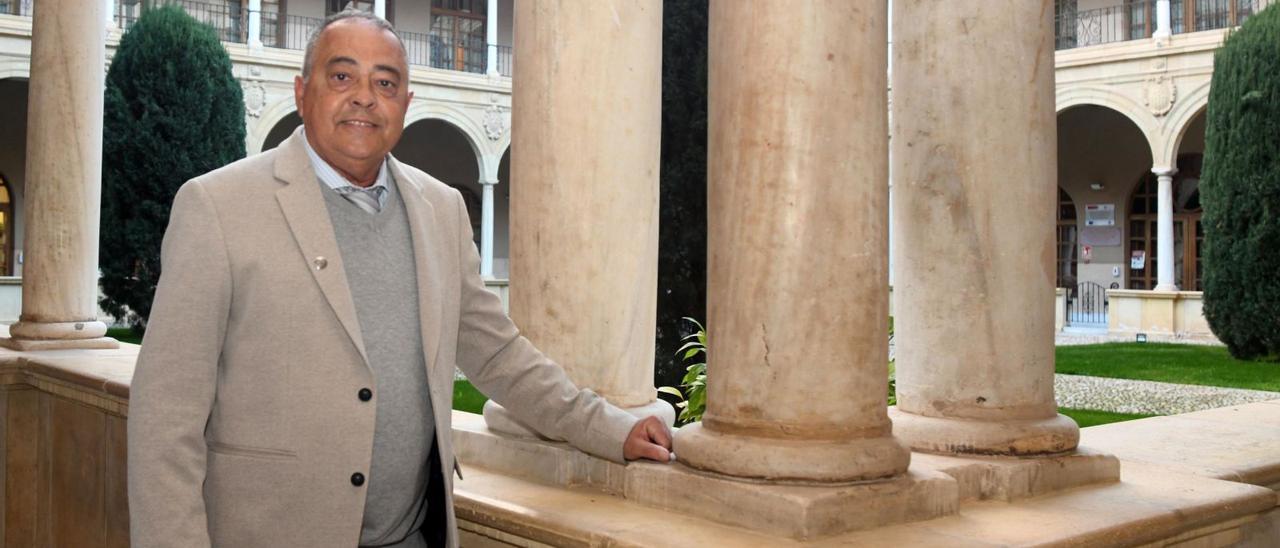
(295, 383)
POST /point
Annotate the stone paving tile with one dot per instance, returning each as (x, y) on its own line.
(1156, 398)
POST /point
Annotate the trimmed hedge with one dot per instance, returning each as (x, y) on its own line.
(173, 111)
(1240, 190)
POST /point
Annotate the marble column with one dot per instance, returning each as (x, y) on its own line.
(380, 8)
(1165, 280)
(486, 228)
(491, 37)
(1163, 20)
(255, 25)
(975, 164)
(64, 171)
(586, 125)
(797, 164)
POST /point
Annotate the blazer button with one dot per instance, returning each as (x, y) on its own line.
(366, 394)
(357, 479)
(320, 263)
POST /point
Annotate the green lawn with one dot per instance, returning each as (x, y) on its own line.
(1176, 363)
(124, 334)
(1089, 417)
(467, 398)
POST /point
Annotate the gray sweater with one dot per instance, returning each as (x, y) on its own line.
(377, 251)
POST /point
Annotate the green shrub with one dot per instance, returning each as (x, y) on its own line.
(693, 402)
(1240, 190)
(173, 110)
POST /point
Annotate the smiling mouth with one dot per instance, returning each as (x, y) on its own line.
(359, 123)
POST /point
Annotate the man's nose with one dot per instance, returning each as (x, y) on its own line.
(362, 97)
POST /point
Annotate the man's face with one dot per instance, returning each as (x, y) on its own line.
(353, 103)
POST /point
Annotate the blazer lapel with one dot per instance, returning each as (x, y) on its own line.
(427, 252)
(303, 206)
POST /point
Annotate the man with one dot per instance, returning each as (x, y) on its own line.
(295, 383)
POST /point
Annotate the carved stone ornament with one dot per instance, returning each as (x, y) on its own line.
(495, 124)
(1159, 95)
(255, 98)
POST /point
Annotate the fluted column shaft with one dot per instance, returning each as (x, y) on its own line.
(586, 129)
(64, 171)
(798, 242)
(974, 151)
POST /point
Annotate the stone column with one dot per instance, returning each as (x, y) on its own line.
(491, 37)
(798, 245)
(110, 13)
(1163, 21)
(64, 172)
(1164, 231)
(586, 124)
(380, 8)
(486, 228)
(974, 152)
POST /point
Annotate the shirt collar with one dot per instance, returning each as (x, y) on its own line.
(330, 176)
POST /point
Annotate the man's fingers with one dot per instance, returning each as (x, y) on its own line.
(658, 432)
(655, 452)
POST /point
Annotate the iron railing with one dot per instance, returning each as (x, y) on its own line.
(16, 7)
(229, 20)
(1087, 304)
(504, 60)
(465, 52)
(285, 31)
(1136, 19)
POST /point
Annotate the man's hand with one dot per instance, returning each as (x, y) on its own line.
(650, 439)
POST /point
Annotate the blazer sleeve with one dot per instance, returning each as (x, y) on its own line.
(506, 367)
(175, 379)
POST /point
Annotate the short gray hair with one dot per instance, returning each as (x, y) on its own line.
(350, 13)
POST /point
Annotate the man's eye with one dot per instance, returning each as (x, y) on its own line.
(386, 83)
(341, 77)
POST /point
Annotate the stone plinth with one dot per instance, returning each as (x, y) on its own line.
(797, 511)
(586, 129)
(1016, 478)
(974, 149)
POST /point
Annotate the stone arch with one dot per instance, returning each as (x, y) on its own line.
(15, 68)
(470, 128)
(1179, 119)
(1104, 97)
(271, 116)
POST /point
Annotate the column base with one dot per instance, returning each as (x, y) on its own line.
(955, 436)
(1165, 287)
(1010, 479)
(27, 336)
(794, 511)
(790, 461)
(504, 422)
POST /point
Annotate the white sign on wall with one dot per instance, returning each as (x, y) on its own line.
(1099, 214)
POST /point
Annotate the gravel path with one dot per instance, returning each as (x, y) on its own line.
(1156, 398)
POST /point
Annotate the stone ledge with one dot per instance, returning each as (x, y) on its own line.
(1149, 507)
(1238, 443)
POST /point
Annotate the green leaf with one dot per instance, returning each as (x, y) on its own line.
(672, 391)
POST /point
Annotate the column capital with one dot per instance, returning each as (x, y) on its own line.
(1162, 171)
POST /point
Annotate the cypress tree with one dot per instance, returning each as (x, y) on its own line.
(173, 111)
(1240, 190)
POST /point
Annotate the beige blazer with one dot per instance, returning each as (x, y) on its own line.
(245, 426)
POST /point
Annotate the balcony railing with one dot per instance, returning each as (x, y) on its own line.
(1136, 19)
(436, 49)
(504, 60)
(229, 20)
(16, 7)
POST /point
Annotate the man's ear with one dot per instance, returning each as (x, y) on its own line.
(299, 88)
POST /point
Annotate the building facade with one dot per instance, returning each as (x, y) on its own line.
(457, 129)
